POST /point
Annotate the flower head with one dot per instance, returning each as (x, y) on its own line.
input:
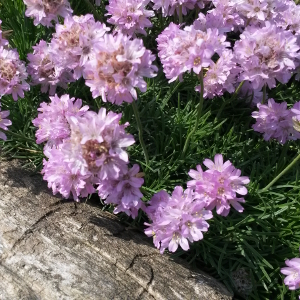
(131, 16)
(46, 11)
(265, 54)
(12, 74)
(117, 67)
(275, 121)
(73, 42)
(181, 51)
(176, 219)
(220, 185)
(44, 70)
(124, 192)
(292, 280)
(52, 122)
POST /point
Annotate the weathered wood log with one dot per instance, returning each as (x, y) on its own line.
(52, 249)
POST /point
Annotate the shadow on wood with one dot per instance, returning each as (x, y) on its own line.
(52, 249)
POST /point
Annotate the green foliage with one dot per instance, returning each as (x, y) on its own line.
(254, 243)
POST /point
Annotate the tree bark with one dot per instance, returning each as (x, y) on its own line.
(54, 249)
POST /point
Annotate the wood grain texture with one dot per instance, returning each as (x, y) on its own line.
(52, 249)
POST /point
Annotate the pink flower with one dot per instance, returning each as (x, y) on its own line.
(293, 273)
(177, 219)
(4, 123)
(190, 49)
(46, 11)
(117, 68)
(124, 192)
(12, 74)
(266, 54)
(52, 122)
(130, 17)
(169, 7)
(219, 185)
(73, 43)
(275, 121)
(44, 70)
(217, 78)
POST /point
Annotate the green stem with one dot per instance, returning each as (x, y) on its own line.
(200, 106)
(93, 9)
(282, 173)
(19, 136)
(139, 123)
(264, 94)
(231, 99)
(180, 15)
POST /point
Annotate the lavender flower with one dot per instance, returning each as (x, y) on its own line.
(130, 17)
(265, 54)
(224, 17)
(216, 79)
(188, 49)
(4, 123)
(46, 11)
(73, 43)
(293, 273)
(43, 69)
(85, 149)
(219, 185)
(176, 219)
(275, 121)
(117, 68)
(52, 122)
(124, 192)
(169, 7)
(12, 74)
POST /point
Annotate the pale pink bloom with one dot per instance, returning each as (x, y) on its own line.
(46, 11)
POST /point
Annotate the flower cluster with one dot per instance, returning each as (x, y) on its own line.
(12, 74)
(275, 121)
(267, 48)
(265, 54)
(117, 67)
(52, 121)
(46, 11)
(181, 218)
(130, 17)
(189, 49)
(124, 192)
(217, 78)
(61, 61)
(74, 41)
(176, 219)
(45, 70)
(170, 6)
(85, 149)
(220, 185)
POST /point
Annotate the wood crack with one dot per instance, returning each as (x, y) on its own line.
(33, 227)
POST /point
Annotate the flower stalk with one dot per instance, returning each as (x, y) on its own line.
(281, 173)
(200, 106)
(93, 9)
(180, 15)
(140, 129)
(231, 99)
